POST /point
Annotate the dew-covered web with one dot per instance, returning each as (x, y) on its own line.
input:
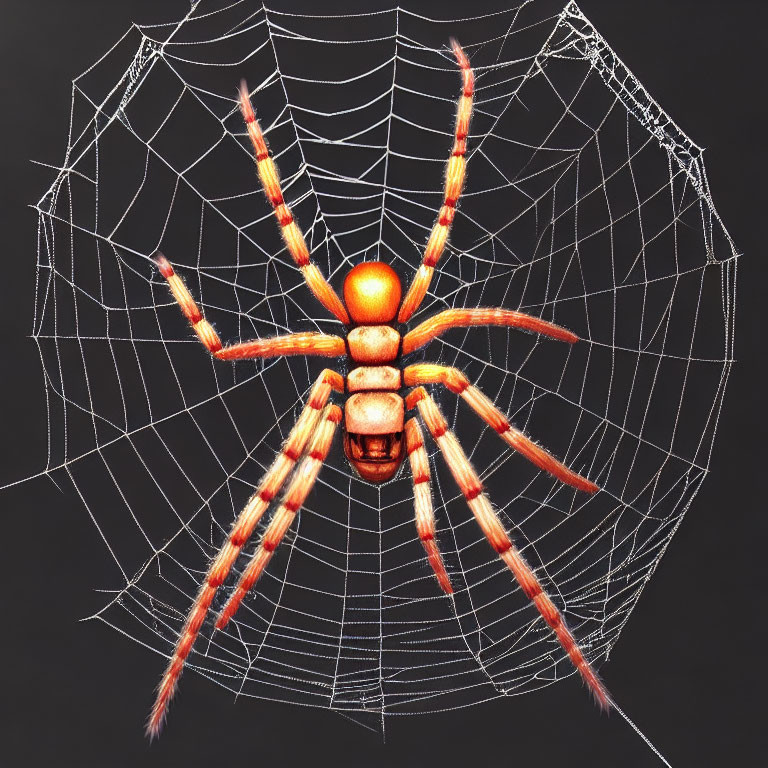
(584, 204)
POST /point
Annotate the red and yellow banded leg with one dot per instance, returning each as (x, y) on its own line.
(470, 485)
(200, 325)
(289, 229)
(454, 182)
(301, 484)
(241, 531)
(422, 492)
(464, 318)
(316, 344)
(457, 382)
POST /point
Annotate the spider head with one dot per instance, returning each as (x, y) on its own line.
(372, 293)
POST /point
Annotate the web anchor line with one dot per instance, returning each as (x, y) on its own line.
(645, 739)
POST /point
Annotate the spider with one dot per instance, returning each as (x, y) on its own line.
(376, 435)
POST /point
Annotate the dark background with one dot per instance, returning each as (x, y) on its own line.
(689, 666)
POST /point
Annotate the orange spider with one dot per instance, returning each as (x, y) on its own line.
(376, 435)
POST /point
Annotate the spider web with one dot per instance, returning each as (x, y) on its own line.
(584, 204)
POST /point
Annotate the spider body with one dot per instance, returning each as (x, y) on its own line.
(377, 433)
(374, 412)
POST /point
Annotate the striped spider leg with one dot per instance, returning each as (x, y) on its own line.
(308, 426)
(469, 483)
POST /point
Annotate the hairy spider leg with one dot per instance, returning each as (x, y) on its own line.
(454, 181)
(301, 484)
(443, 321)
(317, 344)
(422, 501)
(241, 531)
(289, 229)
(470, 485)
(458, 383)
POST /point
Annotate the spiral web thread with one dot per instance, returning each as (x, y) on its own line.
(584, 204)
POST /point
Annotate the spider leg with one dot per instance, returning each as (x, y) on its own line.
(317, 344)
(241, 531)
(314, 344)
(301, 484)
(425, 516)
(464, 318)
(457, 382)
(454, 181)
(470, 485)
(289, 229)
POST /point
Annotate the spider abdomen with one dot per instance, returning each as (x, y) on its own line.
(373, 422)
(374, 414)
(373, 433)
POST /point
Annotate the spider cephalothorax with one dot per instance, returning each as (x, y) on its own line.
(377, 436)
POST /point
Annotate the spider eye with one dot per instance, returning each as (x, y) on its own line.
(372, 293)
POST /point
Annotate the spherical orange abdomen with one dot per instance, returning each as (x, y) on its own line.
(372, 293)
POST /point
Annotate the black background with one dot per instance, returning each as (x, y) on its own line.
(689, 666)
